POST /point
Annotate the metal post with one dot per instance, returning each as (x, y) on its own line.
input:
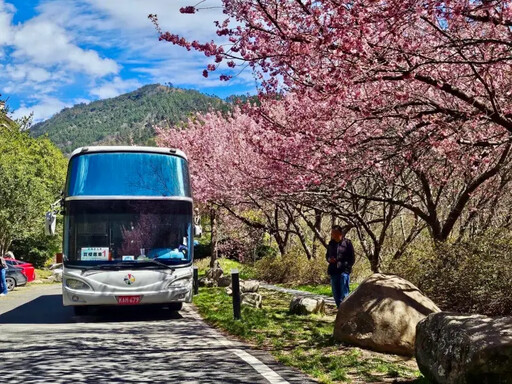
(235, 281)
(196, 280)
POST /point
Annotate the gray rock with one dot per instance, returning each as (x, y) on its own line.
(251, 299)
(224, 281)
(381, 315)
(306, 305)
(57, 275)
(455, 348)
(214, 273)
(249, 286)
(206, 282)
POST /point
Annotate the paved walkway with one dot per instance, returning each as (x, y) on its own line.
(296, 292)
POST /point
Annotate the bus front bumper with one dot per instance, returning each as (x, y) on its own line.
(81, 297)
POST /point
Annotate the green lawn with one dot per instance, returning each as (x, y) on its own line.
(304, 342)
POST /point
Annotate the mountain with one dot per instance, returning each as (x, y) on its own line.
(126, 119)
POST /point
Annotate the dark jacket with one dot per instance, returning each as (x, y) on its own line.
(343, 252)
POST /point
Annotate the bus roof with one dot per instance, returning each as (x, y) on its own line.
(131, 148)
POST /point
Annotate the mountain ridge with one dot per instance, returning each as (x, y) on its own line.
(126, 119)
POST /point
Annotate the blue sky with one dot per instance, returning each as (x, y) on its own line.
(57, 53)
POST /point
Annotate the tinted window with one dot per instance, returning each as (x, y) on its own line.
(128, 174)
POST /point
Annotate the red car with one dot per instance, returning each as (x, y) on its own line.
(28, 268)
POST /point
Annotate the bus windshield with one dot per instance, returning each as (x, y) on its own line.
(122, 231)
(127, 174)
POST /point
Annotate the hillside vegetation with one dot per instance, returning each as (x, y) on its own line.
(124, 120)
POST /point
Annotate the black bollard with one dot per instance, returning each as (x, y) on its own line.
(235, 282)
(196, 280)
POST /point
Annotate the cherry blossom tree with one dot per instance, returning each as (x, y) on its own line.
(415, 93)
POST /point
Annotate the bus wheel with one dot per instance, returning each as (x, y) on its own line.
(175, 306)
(80, 310)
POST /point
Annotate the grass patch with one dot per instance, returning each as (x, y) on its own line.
(245, 270)
(304, 342)
(42, 274)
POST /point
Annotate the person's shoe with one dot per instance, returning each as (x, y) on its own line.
(3, 294)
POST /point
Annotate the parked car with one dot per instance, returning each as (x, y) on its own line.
(14, 277)
(28, 269)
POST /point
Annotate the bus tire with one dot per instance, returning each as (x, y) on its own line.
(175, 307)
(80, 310)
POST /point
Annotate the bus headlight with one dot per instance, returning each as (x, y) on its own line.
(180, 283)
(77, 284)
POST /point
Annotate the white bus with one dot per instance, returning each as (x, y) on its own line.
(128, 228)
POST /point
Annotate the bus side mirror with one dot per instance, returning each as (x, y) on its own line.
(50, 222)
(198, 231)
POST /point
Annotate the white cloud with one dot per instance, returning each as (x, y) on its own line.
(45, 43)
(132, 14)
(6, 13)
(114, 88)
(45, 108)
(24, 72)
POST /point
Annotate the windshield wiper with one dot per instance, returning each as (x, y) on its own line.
(156, 262)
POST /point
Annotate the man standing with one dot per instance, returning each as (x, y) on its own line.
(340, 256)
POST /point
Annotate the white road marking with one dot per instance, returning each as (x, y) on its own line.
(260, 367)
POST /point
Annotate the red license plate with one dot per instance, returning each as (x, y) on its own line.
(128, 300)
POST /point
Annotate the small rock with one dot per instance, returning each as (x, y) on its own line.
(55, 266)
(306, 305)
(57, 275)
(249, 286)
(224, 281)
(251, 299)
(229, 291)
(206, 282)
(214, 273)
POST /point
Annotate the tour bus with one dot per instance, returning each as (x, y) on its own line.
(128, 228)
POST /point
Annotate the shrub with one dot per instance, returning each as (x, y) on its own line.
(294, 267)
(37, 250)
(474, 276)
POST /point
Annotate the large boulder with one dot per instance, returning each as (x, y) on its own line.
(306, 305)
(382, 313)
(455, 348)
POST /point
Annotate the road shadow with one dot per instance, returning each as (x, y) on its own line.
(48, 309)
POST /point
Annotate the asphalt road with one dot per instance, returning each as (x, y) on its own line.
(43, 342)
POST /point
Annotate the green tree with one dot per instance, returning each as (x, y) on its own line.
(32, 172)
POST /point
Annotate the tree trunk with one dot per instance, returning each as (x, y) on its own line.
(318, 228)
(214, 236)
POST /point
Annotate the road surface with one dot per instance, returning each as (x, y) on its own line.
(43, 342)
